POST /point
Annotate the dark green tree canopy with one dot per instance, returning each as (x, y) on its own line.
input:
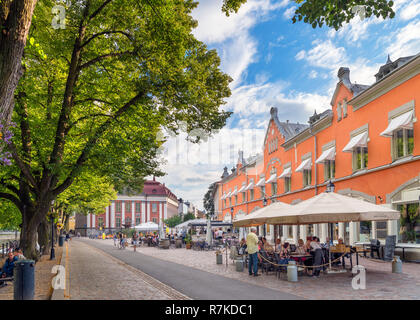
(208, 201)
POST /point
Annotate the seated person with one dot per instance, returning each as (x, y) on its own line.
(301, 248)
(267, 247)
(7, 270)
(242, 247)
(18, 253)
(284, 254)
(278, 245)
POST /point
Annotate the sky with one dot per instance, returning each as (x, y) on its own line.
(275, 63)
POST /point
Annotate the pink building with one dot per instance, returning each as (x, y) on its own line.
(154, 204)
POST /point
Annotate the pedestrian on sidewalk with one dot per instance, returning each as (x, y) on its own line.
(115, 239)
(135, 240)
(252, 247)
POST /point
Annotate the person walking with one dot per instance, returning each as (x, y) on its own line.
(115, 239)
(135, 240)
(252, 247)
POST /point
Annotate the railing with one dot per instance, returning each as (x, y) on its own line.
(8, 245)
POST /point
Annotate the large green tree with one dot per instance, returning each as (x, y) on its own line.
(208, 201)
(98, 92)
(15, 21)
(332, 13)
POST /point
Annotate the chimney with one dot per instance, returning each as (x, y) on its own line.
(344, 75)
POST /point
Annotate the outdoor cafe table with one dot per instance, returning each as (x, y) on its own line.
(300, 257)
(350, 251)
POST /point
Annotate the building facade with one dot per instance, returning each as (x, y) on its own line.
(367, 144)
(154, 204)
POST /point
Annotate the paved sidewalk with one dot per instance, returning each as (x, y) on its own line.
(381, 283)
(194, 283)
(94, 275)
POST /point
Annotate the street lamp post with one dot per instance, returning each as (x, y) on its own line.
(330, 188)
(52, 254)
(264, 227)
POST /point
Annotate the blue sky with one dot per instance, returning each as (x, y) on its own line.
(275, 63)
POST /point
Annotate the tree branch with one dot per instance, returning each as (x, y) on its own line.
(92, 142)
(24, 168)
(97, 11)
(106, 32)
(103, 57)
(11, 198)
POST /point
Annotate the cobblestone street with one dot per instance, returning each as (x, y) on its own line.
(94, 275)
(381, 283)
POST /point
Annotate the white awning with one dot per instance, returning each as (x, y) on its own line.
(229, 194)
(328, 154)
(223, 197)
(261, 182)
(305, 165)
(272, 178)
(235, 192)
(358, 141)
(243, 189)
(250, 186)
(404, 121)
(287, 173)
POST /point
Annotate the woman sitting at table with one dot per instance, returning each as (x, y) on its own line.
(242, 247)
(278, 245)
(301, 248)
(285, 254)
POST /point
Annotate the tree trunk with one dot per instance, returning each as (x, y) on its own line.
(28, 239)
(44, 235)
(15, 21)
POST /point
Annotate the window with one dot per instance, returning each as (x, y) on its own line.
(360, 158)
(307, 177)
(138, 207)
(118, 206)
(236, 199)
(137, 221)
(127, 221)
(127, 206)
(243, 196)
(154, 207)
(251, 194)
(230, 202)
(273, 188)
(344, 108)
(329, 169)
(154, 220)
(339, 115)
(287, 184)
(100, 222)
(118, 222)
(403, 143)
(224, 201)
(262, 192)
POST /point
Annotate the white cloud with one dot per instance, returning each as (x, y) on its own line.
(410, 11)
(313, 74)
(289, 13)
(406, 41)
(300, 55)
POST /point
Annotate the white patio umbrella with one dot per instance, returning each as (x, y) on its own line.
(161, 231)
(259, 216)
(329, 207)
(147, 226)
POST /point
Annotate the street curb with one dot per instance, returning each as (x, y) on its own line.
(58, 294)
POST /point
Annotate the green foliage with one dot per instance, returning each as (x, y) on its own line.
(173, 221)
(332, 13)
(187, 238)
(95, 96)
(87, 194)
(410, 218)
(10, 217)
(189, 216)
(208, 201)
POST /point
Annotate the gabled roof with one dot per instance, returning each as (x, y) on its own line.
(287, 129)
(344, 76)
(389, 66)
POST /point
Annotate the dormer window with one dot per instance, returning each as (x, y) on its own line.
(339, 112)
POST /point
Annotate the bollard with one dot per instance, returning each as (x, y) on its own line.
(396, 265)
(292, 274)
(239, 265)
(24, 278)
(219, 258)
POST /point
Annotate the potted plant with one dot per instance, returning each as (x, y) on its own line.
(188, 241)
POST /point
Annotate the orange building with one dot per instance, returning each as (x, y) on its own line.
(367, 144)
